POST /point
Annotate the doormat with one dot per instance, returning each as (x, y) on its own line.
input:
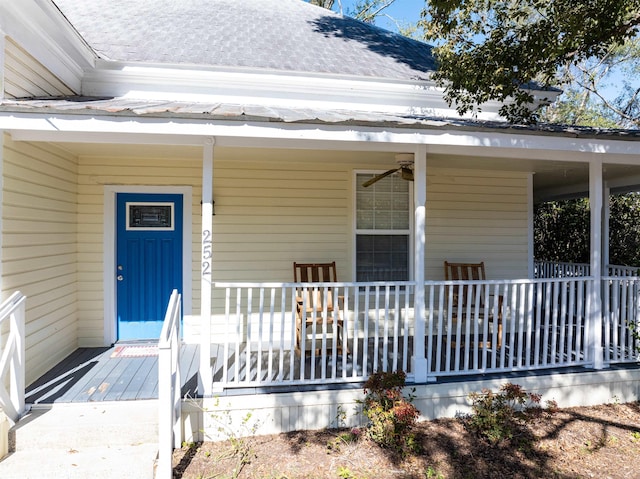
(135, 351)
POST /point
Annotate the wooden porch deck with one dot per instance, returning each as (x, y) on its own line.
(101, 374)
(105, 374)
(118, 373)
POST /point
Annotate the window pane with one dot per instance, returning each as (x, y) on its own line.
(383, 205)
(382, 257)
(364, 220)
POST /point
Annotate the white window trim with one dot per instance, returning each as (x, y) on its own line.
(109, 249)
(355, 230)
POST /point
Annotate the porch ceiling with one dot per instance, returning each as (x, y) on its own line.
(553, 179)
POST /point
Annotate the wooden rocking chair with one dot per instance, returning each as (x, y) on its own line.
(461, 294)
(312, 303)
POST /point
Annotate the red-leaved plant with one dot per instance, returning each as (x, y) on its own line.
(391, 415)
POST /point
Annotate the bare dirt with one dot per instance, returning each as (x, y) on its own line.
(582, 442)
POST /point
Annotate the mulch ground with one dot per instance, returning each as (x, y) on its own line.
(582, 442)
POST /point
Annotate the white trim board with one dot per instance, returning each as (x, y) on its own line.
(125, 130)
(109, 249)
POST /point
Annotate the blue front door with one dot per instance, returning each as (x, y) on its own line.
(148, 261)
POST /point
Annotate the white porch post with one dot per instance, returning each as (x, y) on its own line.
(205, 378)
(420, 364)
(595, 203)
(530, 230)
(606, 195)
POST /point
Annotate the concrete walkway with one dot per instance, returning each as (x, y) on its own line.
(85, 440)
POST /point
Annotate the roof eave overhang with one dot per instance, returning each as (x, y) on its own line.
(440, 136)
(41, 29)
(269, 88)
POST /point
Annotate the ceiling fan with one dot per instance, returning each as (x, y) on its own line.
(405, 160)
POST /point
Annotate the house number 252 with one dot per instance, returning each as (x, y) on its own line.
(207, 253)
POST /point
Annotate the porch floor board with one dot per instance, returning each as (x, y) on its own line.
(94, 374)
(97, 374)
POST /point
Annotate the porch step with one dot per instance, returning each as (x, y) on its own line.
(97, 440)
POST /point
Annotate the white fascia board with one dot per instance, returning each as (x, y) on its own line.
(271, 88)
(84, 129)
(39, 28)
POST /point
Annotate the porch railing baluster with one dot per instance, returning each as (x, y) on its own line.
(624, 342)
(292, 336)
(365, 349)
(497, 336)
(528, 328)
(580, 309)
(376, 328)
(547, 322)
(344, 314)
(227, 327)
(385, 329)
(563, 323)
(616, 313)
(259, 346)
(439, 345)
(238, 362)
(406, 326)
(356, 334)
(571, 319)
(429, 313)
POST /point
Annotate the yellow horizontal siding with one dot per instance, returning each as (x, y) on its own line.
(39, 251)
(477, 215)
(270, 214)
(94, 173)
(24, 76)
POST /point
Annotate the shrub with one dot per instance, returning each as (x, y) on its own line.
(505, 415)
(391, 415)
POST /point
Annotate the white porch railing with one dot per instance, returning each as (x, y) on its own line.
(256, 334)
(12, 356)
(556, 269)
(624, 271)
(169, 384)
(559, 269)
(621, 319)
(544, 323)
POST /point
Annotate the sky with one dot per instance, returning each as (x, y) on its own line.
(404, 11)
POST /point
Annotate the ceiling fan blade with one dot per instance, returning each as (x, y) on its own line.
(379, 177)
(407, 173)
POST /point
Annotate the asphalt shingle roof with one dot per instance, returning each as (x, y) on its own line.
(289, 35)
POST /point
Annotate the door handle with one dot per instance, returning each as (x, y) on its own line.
(120, 277)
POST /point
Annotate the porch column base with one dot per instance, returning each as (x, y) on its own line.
(420, 368)
(598, 360)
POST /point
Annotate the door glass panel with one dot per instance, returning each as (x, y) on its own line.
(150, 216)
